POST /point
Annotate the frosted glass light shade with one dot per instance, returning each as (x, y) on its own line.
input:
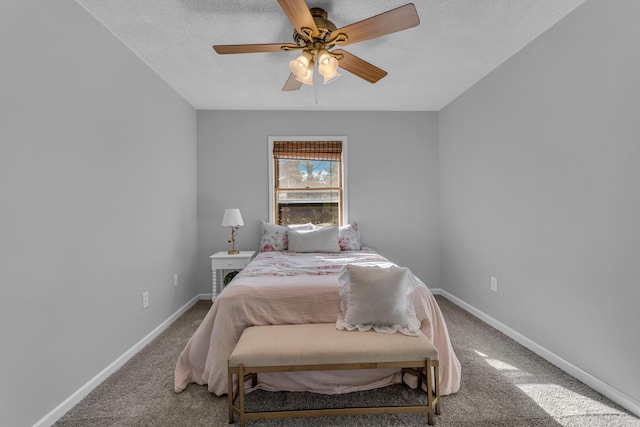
(328, 78)
(306, 79)
(232, 218)
(327, 63)
(323, 57)
(300, 66)
(327, 66)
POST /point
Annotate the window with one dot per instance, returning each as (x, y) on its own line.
(307, 180)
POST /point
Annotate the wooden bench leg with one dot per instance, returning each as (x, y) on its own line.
(436, 382)
(230, 394)
(427, 366)
(241, 393)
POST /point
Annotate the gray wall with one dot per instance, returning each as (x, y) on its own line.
(540, 188)
(392, 179)
(97, 203)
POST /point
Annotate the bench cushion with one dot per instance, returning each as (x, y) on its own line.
(322, 343)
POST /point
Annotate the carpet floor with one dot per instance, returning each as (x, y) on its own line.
(503, 385)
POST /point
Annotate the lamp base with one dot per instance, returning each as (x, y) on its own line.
(233, 252)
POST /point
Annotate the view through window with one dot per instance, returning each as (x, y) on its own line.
(308, 182)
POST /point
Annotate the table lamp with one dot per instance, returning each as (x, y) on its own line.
(232, 218)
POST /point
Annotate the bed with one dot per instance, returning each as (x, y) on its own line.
(288, 287)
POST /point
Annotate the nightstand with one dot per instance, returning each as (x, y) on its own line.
(221, 261)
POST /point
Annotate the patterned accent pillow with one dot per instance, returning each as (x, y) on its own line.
(349, 238)
(273, 237)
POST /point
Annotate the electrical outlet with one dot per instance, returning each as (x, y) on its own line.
(494, 284)
(175, 279)
(145, 299)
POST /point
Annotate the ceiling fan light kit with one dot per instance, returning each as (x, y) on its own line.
(307, 78)
(329, 77)
(316, 36)
(327, 66)
(300, 65)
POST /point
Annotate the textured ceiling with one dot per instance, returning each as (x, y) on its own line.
(456, 44)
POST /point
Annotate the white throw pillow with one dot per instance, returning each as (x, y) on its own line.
(302, 227)
(373, 297)
(323, 239)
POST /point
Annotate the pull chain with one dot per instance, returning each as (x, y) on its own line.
(315, 77)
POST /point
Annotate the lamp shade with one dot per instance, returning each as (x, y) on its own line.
(307, 78)
(327, 66)
(232, 218)
(328, 78)
(325, 58)
(300, 66)
(327, 63)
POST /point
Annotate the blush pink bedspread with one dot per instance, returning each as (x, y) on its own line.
(290, 288)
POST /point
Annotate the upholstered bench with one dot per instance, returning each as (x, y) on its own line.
(316, 347)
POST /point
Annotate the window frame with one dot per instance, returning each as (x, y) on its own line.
(344, 218)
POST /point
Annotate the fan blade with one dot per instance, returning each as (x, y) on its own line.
(300, 16)
(254, 48)
(359, 67)
(389, 22)
(292, 84)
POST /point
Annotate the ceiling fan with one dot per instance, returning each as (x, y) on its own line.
(316, 37)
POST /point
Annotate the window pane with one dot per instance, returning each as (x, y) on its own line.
(295, 173)
(320, 207)
(308, 196)
(302, 213)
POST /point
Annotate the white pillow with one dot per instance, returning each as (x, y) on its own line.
(308, 226)
(373, 297)
(323, 239)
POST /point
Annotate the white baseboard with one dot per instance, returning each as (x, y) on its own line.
(600, 386)
(81, 393)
